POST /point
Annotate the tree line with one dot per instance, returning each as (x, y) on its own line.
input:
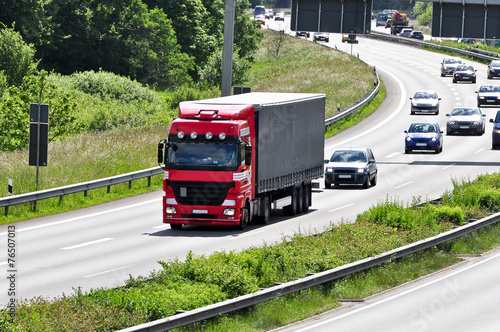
(165, 43)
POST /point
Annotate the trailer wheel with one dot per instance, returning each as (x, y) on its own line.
(307, 197)
(266, 210)
(291, 209)
(300, 199)
(245, 218)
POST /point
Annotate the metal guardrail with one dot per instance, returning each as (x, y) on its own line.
(477, 55)
(193, 316)
(79, 187)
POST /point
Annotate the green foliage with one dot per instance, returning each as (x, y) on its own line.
(16, 57)
(211, 73)
(423, 12)
(14, 111)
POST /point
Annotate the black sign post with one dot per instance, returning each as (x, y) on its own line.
(39, 137)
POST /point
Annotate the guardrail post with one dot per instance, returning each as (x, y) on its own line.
(6, 211)
(130, 184)
(109, 189)
(85, 193)
(149, 181)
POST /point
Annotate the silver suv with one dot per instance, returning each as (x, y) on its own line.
(448, 65)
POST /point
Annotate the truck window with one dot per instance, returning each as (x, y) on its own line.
(260, 10)
(203, 155)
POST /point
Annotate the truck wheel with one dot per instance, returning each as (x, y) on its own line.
(291, 210)
(245, 218)
(307, 197)
(176, 226)
(300, 199)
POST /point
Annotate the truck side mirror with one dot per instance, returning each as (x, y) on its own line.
(161, 144)
(248, 155)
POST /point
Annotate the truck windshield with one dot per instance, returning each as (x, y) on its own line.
(210, 156)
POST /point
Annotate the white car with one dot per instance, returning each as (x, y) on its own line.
(425, 101)
(279, 16)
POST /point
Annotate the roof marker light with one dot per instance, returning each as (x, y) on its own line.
(208, 135)
(222, 136)
(194, 135)
(180, 135)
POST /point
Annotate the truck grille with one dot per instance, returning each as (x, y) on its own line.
(200, 193)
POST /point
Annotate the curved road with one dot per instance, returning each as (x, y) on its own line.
(101, 246)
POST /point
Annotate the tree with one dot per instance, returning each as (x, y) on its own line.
(16, 57)
(211, 74)
(14, 111)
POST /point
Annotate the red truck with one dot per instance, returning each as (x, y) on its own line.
(230, 160)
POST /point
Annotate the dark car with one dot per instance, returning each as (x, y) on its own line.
(464, 73)
(488, 95)
(388, 23)
(302, 33)
(425, 101)
(494, 69)
(351, 166)
(417, 35)
(321, 36)
(448, 65)
(495, 135)
(465, 120)
(424, 136)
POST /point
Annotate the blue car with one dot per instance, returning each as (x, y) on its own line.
(424, 136)
(495, 135)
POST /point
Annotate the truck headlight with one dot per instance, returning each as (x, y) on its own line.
(170, 210)
(229, 212)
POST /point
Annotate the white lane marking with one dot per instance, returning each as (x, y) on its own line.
(342, 207)
(446, 167)
(83, 217)
(480, 150)
(392, 155)
(88, 243)
(238, 236)
(402, 100)
(404, 184)
(108, 271)
(390, 298)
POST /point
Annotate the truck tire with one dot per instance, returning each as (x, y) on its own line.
(265, 212)
(300, 199)
(291, 210)
(245, 218)
(307, 197)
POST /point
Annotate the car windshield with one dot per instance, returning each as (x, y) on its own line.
(489, 88)
(423, 128)
(425, 95)
(452, 61)
(465, 111)
(495, 63)
(353, 156)
(465, 68)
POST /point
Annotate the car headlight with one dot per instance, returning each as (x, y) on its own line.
(451, 122)
(481, 97)
(433, 139)
(476, 122)
(361, 170)
(329, 170)
(408, 139)
(496, 131)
